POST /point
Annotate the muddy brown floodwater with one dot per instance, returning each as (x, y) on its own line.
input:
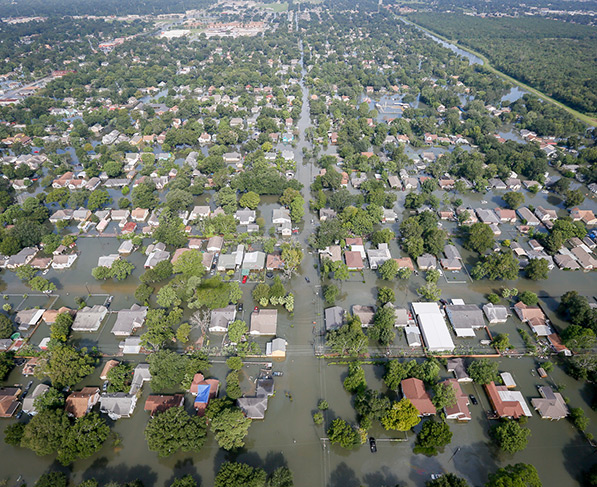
(288, 434)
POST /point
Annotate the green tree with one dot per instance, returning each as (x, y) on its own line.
(261, 294)
(501, 341)
(190, 263)
(183, 332)
(281, 477)
(519, 475)
(579, 419)
(237, 330)
(574, 197)
(13, 434)
(509, 436)
(433, 435)
(233, 389)
(25, 272)
(52, 479)
(385, 295)
(383, 326)
(186, 481)
(167, 370)
(513, 199)
(402, 416)
(342, 433)
(537, 269)
(388, 270)
(430, 292)
(496, 265)
(479, 237)
(355, 381)
(50, 401)
(143, 293)
(529, 298)
(292, 256)
(447, 480)
(160, 327)
(45, 432)
(120, 378)
(330, 293)
(233, 474)
(230, 427)
(64, 365)
(83, 438)
(60, 329)
(483, 371)
(249, 200)
(578, 338)
(40, 284)
(121, 269)
(6, 327)
(175, 430)
(98, 199)
(444, 395)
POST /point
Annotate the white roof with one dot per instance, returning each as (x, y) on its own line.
(508, 379)
(433, 327)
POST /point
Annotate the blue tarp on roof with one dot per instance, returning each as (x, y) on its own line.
(202, 393)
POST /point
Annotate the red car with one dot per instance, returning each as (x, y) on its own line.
(245, 279)
(256, 308)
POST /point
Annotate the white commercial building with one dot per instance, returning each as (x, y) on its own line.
(433, 327)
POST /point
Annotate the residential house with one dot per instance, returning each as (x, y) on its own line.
(107, 260)
(457, 367)
(215, 244)
(354, 261)
(264, 322)
(506, 215)
(110, 364)
(204, 391)
(545, 214)
(487, 216)
(551, 405)
(378, 256)
(405, 263)
(89, 318)
(334, 318)
(9, 401)
(495, 313)
(23, 257)
(221, 318)
(78, 404)
(155, 255)
(126, 247)
(506, 403)
(527, 215)
(365, 314)
(255, 407)
(61, 215)
(586, 216)
(465, 319)
(200, 213)
(333, 253)
(282, 222)
(459, 411)
(29, 401)
(27, 318)
(326, 213)
(129, 320)
(426, 262)
(389, 216)
(274, 262)
(355, 244)
(158, 403)
(245, 216)
(414, 390)
(140, 214)
(513, 184)
(118, 405)
(253, 261)
(276, 348)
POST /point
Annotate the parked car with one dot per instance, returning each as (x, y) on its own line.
(245, 279)
(239, 307)
(256, 308)
(307, 279)
(372, 445)
(473, 400)
(269, 274)
(278, 374)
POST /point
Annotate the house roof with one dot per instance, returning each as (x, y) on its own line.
(334, 318)
(89, 318)
(110, 364)
(353, 259)
(129, 319)
(459, 410)
(264, 322)
(414, 390)
(160, 403)
(457, 367)
(222, 317)
(365, 313)
(495, 313)
(503, 408)
(551, 405)
(79, 403)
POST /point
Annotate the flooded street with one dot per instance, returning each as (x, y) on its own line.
(288, 434)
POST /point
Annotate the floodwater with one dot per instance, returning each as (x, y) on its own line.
(288, 434)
